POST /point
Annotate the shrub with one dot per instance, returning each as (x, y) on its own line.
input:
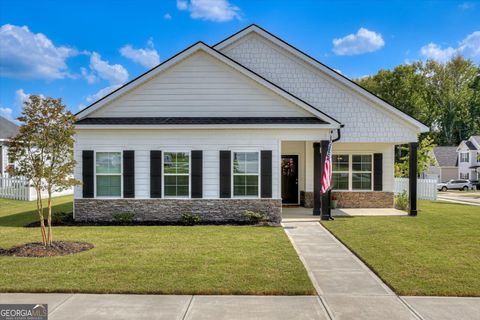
(255, 217)
(123, 217)
(60, 218)
(190, 219)
(401, 200)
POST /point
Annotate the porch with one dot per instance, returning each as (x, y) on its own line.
(362, 181)
(297, 213)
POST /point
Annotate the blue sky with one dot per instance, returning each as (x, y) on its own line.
(79, 50)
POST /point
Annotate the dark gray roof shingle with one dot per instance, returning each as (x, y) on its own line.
(8, 129)
(470, 145)
(200, 120)
(446, 156)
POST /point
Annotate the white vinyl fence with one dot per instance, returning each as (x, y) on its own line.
(18, 188)
(426, 188)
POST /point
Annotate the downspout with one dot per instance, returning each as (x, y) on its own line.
(329, 194)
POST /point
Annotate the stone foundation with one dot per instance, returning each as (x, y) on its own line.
(171, 210)
(354, 199)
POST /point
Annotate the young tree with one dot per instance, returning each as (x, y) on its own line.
(425, 158)
(43, 150)
(58, 172)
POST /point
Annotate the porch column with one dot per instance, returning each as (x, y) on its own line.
(413, 178)
(325, 197)
(317, 178)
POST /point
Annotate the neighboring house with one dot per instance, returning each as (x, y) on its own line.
(446, 167)
(8, 130)
(217, 130)
(469, 159)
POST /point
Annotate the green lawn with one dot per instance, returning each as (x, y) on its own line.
(435, 253)
(152, 259)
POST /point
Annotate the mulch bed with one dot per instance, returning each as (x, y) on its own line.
(37, 249)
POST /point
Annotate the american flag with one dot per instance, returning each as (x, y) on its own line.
(327, 171)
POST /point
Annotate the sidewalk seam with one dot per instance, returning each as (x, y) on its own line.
(411, 308)
(61, 303)
(326, 307)
(188, 308)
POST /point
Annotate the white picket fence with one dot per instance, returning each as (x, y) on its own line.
(426, 188)
(18, 188)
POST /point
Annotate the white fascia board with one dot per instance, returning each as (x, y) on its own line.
(189, 51)
(205, 127)
(335, 75)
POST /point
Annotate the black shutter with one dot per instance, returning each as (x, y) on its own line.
(378, 172)
(87, 173)
(129, 174)
(155, 174)
(266, 174)
(197, 174)
(225, 174)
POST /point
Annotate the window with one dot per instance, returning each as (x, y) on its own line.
(176, 174)
(352, 172)
(464, 175)
(340, 171)
(362, 172)
(245, 174)
(108, 171)
(464, 157)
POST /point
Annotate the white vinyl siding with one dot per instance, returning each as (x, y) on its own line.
(209, 141)
(201, 86)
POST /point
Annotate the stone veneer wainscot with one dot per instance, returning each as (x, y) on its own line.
(171, 210)
(358, 199)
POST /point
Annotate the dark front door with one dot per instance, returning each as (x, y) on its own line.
(290, 179)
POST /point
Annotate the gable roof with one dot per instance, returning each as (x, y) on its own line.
(476, 139)
(200, 46)
(470, 145)
(446, 156)
(253, 28)
(8, 129)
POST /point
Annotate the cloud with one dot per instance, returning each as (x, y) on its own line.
(21, 97)
(6, 113)
(466, 6)
(212, 10)
(147, 57)
(468, 47)
(362, 42)
(167, 16)
(89, 76)
(113, 73)
(102, 92)
(26, 55)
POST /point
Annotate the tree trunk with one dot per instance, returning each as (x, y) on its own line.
(40, 214)
(49, 219)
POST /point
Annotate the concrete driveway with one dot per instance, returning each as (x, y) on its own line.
(471, 198)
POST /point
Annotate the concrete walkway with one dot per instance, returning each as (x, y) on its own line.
(350, 290)
(127, 306)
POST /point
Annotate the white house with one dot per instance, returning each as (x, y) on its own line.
(446, 167)
(469, 158)
(242, 124)
(8, 129)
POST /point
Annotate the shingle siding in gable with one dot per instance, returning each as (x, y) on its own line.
(201, 86)
(363, 121)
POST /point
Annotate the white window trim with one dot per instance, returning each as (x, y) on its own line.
(350, 171)
(189, 174)
(467, 156)
(108, 174)
(466, 176)
(232, 174)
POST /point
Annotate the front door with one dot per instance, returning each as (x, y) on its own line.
(290, 179)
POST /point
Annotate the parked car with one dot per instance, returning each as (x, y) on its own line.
(475, 184)
(455, 185)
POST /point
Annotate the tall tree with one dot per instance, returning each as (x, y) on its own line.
(444, 96)
(43, 150)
